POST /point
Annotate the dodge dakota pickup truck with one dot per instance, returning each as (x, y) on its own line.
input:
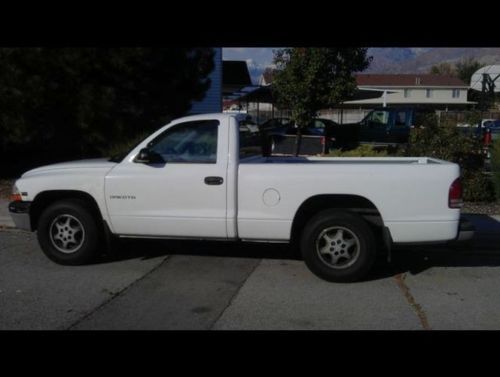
(205, 177)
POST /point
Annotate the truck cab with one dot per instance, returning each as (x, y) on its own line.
(386, 125)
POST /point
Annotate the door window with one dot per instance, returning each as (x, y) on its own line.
(189, 142)
(379, 117)
(400, 120)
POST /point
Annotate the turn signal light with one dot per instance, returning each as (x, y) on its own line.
(16, 197)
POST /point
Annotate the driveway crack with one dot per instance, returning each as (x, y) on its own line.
(117, 294)
(400, 280)
(233, 297)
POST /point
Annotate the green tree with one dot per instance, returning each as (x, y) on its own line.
(60, 103)
(310, 79)
(466, 68)
(445, 69)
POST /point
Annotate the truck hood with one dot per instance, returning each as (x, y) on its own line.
(95, 163)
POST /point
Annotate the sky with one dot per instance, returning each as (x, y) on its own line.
(257, 55)
(257, 58)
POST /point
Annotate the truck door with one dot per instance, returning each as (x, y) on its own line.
(400, 129)
(375, 126)
(185, 196)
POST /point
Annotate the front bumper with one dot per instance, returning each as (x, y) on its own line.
(20, 213)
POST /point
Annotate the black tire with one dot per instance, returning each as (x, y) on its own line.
(87, 242)
(358, 259)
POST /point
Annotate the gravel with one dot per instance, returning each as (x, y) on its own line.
(482, 208)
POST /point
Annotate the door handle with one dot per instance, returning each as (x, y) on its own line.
(214, 180)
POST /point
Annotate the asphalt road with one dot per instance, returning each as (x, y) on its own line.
(229, 286)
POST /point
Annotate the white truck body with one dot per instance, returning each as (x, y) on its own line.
(259, 197)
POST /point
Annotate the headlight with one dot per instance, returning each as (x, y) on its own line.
(16, 195)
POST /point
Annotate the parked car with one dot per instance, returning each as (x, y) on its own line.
(187, 180)
(381, 126)
(493, 125)
(276, 124)
(484, 123)
(486, 126)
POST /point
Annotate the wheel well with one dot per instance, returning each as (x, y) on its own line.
(352, 203)
(46, 198)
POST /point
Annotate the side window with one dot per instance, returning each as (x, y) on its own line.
(381, 117)
(190, 142)
(400, 120)
(318, 124)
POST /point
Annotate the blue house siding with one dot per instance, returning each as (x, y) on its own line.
(212, 103)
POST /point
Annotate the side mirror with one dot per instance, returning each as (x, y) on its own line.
(147, 156)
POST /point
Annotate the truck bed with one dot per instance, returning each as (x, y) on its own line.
(410, 193)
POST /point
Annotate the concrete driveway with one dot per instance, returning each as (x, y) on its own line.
(229, 286)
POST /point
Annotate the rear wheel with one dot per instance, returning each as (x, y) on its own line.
(68, 232)
(338, 246)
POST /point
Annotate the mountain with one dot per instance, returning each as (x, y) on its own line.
(401, 59)
(420, 60)
(384, 59)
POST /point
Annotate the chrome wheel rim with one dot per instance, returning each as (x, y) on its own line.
(338, 247)
(67, 234)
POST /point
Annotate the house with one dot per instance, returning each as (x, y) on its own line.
(212, 102)
(228, 79)
(423, 90)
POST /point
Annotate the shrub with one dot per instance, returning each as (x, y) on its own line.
(65, 103)
(448, 143)
(122, 148)
(495, 166)
(361, 151)
(477, 187)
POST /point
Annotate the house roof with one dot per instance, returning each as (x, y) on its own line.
(264, 94)
(364, 79)
(235, 73)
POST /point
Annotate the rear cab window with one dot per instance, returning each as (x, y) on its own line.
(251, 139)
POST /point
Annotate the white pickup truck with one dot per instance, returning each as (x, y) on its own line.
(208, 177)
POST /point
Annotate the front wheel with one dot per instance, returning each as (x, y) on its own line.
(68, 233)
(338, 246)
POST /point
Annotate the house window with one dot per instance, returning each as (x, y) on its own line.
(455, 93)
(428, 93)
(407, 93)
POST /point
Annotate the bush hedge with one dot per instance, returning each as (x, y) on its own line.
(495, 166)
(446, 141)
(66, 103)
(361, 151)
